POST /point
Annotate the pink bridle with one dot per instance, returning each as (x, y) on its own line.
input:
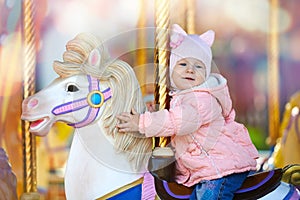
(94, 100)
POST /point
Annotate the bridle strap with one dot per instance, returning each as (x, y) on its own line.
(94, 100)
(89, 118)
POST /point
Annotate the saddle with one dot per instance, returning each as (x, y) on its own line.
(254, 187)
(259, 185)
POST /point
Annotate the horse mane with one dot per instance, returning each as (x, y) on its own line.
(126, 93)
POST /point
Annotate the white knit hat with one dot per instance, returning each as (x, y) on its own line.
(185, 45)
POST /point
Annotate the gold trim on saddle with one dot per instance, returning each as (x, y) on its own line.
(122, 189)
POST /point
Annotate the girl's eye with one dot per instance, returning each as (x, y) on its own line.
(199, 66)
(182, 64)
(72, 88)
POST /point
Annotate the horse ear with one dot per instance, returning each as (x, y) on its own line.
(94, 57)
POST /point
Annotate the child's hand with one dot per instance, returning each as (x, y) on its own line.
(128, 122)
(150, 106)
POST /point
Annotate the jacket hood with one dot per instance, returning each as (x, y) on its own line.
(216, 85)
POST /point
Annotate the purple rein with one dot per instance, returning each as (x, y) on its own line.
(94, 100)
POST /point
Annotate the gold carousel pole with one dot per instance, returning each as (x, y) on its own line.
(178, 17)
(161, 57)
(29, 59)
(185, 15)
(141, 57)
(273, 74)
(190, 13)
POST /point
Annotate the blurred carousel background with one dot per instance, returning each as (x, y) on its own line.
(256, 49)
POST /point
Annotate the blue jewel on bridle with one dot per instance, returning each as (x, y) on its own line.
(95, 99)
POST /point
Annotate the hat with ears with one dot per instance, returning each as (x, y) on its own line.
(185, 45)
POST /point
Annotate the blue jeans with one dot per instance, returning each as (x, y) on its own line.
(219, 189)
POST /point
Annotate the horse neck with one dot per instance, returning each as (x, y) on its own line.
(100, 147)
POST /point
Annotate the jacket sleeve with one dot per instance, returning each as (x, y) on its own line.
(183, 119)
(157, 124)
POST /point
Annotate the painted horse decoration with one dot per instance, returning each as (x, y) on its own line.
(90, 91)
(287, 149)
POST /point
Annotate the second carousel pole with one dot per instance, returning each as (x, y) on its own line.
(29, 150)
(273, 74)
(161, 58)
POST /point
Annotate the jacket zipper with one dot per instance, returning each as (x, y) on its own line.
(206, 153)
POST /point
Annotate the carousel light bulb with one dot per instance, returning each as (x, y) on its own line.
(295, 111)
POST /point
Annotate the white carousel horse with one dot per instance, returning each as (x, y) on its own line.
(89, 92)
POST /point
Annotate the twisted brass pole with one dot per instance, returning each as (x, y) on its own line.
(273, 74)
(161, 56)
(29, 62)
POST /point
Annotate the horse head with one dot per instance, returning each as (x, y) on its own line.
(91, 88)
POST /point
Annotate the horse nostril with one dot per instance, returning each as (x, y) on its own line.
(32, 103)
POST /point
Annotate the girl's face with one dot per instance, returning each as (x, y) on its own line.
(188, 72)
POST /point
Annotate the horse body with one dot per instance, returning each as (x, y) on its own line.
(91, 179)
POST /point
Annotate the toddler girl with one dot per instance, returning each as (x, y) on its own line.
(213, 151)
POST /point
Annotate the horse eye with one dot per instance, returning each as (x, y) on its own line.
(72, 88)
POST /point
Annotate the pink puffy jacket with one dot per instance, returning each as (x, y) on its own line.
(209, 144)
